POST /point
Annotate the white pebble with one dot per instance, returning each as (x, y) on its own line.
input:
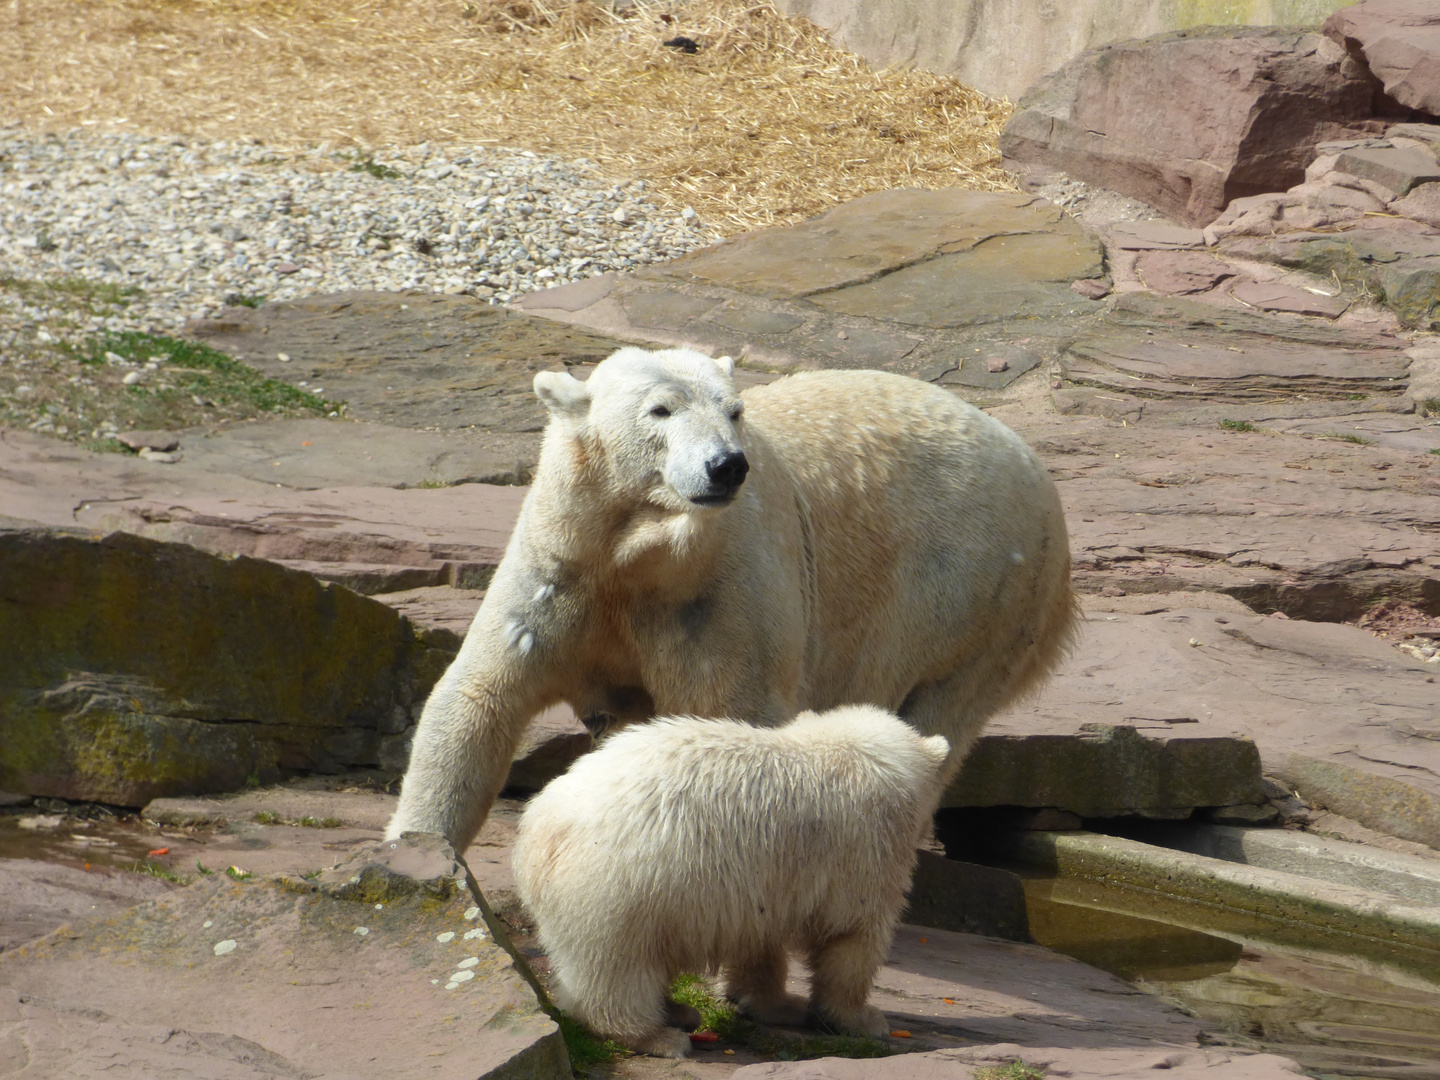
(451, 985)
(471, 912)
(448, 935)
(223, 947)
(468, 962)
(462, 976)
(471, 935)
(207, 924)
(362, 930)
(284, 358)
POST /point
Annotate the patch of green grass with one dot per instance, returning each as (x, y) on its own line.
(368, 164)
(1237, 425)
(237, 874)
(163, 873)
(719, 1016)
(1435, 451)
(432, 484)
(1340, 436)
(1430, 406)
(204, 870)
(250, 300)
(585, 1050)
(1016, 1070)
(320, 823)
(198, 370)
(266, 817)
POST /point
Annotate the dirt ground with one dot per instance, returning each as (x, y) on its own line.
(763, 123)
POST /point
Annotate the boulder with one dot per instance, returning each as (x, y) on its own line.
(136, 668)
(1399, 40)
(1189, 121)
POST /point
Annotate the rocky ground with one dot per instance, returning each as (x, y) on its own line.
(321, 363)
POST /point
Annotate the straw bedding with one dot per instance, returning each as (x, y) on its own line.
(765, 123)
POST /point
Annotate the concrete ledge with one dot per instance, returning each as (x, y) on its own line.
(1403, 876)
(1270, 894)
(1378, 802)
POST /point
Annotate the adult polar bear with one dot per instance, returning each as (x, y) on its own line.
(854, 537)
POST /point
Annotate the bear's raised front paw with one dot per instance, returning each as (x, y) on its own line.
(667, 1042)
(865, 1020)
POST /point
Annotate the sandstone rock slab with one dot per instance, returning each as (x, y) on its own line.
(1269, 296)
(36, 896)
(1078, 1064)
(353, 974)
(1324, 691)
(1399, 40)
(1110, 770)
(1395, 169)
(990, 282)
(1188, 122)
(1175, 273)
(862, 240)
(137, 668)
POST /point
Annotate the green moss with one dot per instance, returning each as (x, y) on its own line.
(1237, 425)
(587, 1052)
(1016, 1070)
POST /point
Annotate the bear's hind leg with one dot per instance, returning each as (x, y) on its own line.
(841, 971)
(756, 983)
(630, 1007)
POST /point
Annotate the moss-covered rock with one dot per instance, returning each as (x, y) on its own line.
(132, 668)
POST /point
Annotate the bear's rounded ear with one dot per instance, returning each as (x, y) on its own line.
(562, 394)
(726, 364)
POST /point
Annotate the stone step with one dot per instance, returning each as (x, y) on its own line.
(1274, 895)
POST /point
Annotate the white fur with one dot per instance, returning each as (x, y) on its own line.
(890, 544)
(703, 845)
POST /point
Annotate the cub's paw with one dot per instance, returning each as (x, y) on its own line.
(684, 1017)
(786, 1010)
(667, 1042)
(865, 1020)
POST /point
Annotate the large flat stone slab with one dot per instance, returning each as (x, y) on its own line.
(384, 966)
(866, 238)
(904, 280)
(35, 896)
(991, 282)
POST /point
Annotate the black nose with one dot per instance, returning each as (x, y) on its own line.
(728, 470)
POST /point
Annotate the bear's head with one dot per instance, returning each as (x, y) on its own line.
(665, 425)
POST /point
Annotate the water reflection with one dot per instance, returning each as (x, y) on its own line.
(1338, 1004)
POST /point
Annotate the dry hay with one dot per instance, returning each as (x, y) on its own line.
(766, 123)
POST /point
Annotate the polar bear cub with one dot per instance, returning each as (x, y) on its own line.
(702, 845)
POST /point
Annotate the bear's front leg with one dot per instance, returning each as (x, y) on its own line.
(508, 670)
(841, 971)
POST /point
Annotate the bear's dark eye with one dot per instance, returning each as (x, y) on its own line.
(660, 412)
(736, 411)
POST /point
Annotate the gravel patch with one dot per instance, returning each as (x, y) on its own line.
(192, 224)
